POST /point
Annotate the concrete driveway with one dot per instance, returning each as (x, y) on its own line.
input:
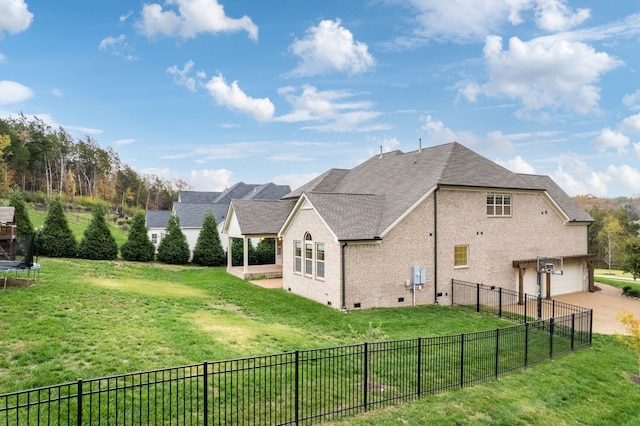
(606, 304)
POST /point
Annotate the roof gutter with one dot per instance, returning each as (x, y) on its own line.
(343, 298)
(435, 245)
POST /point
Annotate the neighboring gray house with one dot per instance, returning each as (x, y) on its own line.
(193, 205)
(351, 238)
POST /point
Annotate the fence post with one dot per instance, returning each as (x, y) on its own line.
(525, 308)
(500, 302)
(477, 297)
(297, 388)
(573, 330)
(453, 286)
(551, 327)
(419, 366)
(526, 344)
(497, 351)
(590, 326)
(365, 397)
(205, 393)
(79, 401)
(462, 360)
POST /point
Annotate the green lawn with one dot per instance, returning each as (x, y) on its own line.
(616, 278)
(89, 319)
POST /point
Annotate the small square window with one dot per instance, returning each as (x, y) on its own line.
(461, 256)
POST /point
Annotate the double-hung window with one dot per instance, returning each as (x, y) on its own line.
(297, 256)
(308, 254)
(320, 260)
(498, 205)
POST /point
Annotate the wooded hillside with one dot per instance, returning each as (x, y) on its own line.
(46, 161)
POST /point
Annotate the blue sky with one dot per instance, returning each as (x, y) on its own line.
(219, 91)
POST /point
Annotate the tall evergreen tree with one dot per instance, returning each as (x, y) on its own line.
(138, 246)
(98, 243)
(208, 250)
(56, 238)
(24, 228)
(173, 247)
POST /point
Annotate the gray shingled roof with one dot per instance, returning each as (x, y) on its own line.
(383, 188)
(268, 191)
(199, 197)
(158, 218)
(192, 214)
(326, 182)
(260, 217)
(236, 192)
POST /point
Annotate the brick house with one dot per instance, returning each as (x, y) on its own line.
(353, 238)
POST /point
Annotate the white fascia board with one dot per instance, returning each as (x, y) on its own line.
(302, 201)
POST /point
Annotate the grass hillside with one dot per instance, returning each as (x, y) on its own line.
(77, 223)
(90, 319)
(87, 319)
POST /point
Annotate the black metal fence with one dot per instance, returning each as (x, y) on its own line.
(309, 386)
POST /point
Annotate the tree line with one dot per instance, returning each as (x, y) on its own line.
(614, 236)
(45, 161)
(55, 238)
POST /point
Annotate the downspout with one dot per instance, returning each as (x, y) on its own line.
(343, 279)
(435, 245)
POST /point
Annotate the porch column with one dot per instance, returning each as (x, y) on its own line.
(245, 255)
(521, 272)
(592, 285)
(229, 254)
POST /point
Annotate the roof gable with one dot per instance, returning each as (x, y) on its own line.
(259, 217)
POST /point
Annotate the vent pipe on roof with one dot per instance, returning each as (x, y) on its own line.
(380, 152)
(419, 144)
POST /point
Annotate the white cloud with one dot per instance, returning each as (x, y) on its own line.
(12, 92)
(631, 124)
(626, 176)
(231, 96)
(182, 77)
(118, 46)
(632, 99)
(84, 130)
(14, 16)
(636, 149)
(57, 93)
(517, 165)
(333, 108)
(543, 74)
(578, 179)
(611, 139)
(438, 133)
(122, 142)
(192, 18)
(555, 15)
(292, 157)
(330, 47)
(126, 16)
(467, 21)
(210, 180)
(295, 181)
(2, 58)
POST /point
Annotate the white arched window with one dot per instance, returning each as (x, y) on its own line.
(308, 254)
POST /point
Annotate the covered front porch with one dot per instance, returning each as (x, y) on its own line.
(252, 272)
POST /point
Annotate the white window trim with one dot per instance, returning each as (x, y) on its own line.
(502, 205)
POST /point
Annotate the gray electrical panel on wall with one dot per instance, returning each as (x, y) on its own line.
(419, 276)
